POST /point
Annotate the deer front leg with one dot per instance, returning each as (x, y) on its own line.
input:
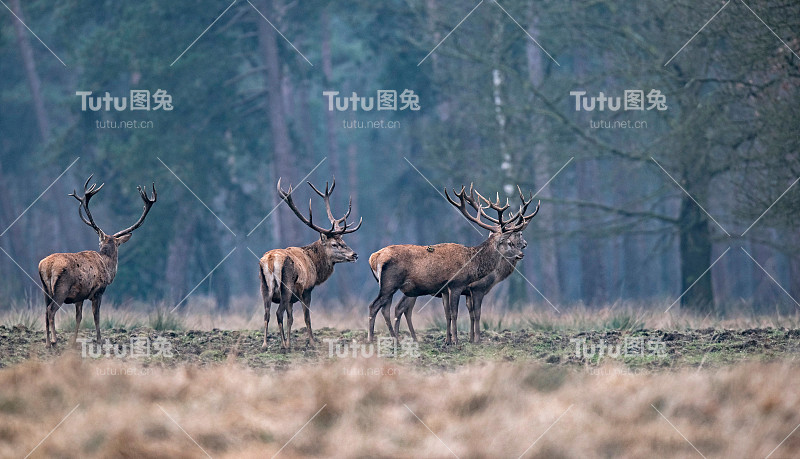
(306, 301)
(471, 311)
(96, 313)
(477, 300)
(78, 318)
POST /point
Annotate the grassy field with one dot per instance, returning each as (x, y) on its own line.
(614, 382)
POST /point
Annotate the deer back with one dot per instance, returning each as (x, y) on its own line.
(420, 270)
(272, 266)
(76, 276)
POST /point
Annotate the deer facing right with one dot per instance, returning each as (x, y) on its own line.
(72, 278)
(289, 275)
(447, 269)
(475, 292)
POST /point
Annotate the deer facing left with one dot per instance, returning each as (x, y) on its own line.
(72, 278)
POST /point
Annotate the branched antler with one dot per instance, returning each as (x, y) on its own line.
(516, 221)
(338, 227)
(148, 203)
(88, 192)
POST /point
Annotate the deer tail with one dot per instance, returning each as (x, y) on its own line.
(271, 273)
(375, 266)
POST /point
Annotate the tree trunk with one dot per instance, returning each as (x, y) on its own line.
(25, 50)
(695, 253)
(283, 222)
(593, 266)
(179, 257)
(327, 72)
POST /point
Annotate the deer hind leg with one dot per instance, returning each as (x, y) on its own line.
(407, 313)
(285, 307)
(279, 318)
(306, 302)
(266, 295)
(47, 302)
(387, 318)
(49, 312)
(446, 306)
(96, 313)
(266, 323)
(454, 295)
(289, 321)
(401, 309)
(384, 298)
(78, 318)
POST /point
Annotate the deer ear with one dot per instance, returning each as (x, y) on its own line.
(323, 237)
(123, 239)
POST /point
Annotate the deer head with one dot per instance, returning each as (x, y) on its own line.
(110, 243)
(330, 239)
(506, 232)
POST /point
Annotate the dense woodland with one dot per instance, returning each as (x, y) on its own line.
(495, 109)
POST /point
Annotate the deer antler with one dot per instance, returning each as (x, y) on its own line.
(88, 192)
(148, 203)
(338, 226)
(520, 221)
(516, 221)
(465, 199)
(502, 223)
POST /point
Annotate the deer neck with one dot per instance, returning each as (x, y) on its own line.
(322, 262)
(109, 255)
(486, 256)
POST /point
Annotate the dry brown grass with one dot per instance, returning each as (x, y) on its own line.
(476, 411)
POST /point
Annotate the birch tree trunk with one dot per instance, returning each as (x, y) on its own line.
(546, 258)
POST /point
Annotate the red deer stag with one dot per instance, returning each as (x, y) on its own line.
(73, 278)
(447, 269)
(289, 275)
(475, 292)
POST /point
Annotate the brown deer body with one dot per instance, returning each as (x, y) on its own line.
(289, 275)
(475, 292)
(473, 296)
(73, 278)
(446, 269)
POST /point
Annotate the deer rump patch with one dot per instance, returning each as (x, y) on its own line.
(272, 266)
